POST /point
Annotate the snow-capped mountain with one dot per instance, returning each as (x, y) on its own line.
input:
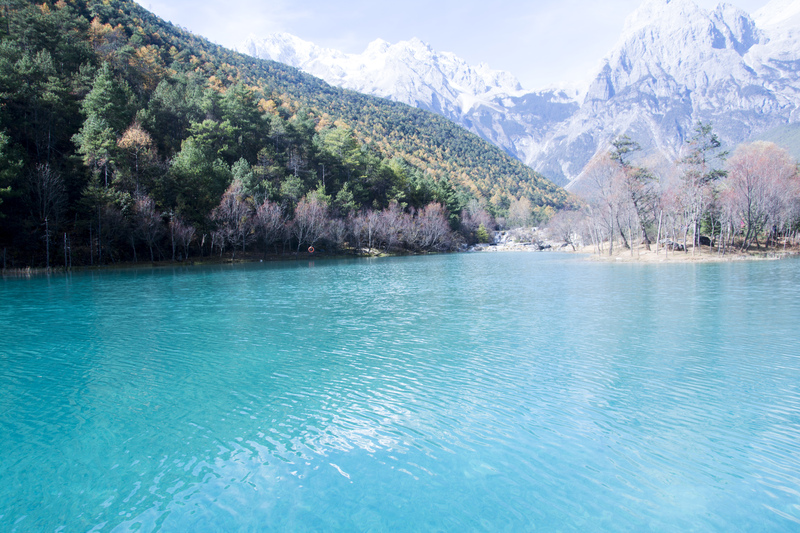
(409, 72)
(673, 65)
(488, 102)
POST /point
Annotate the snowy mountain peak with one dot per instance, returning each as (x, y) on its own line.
(661, 12)
(378, 46)
(284, 48)
(679, 23)
(408, 71)
(417, 44)
(778, 13)
(670, 43)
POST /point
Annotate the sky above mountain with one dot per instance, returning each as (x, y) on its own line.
(542, 43)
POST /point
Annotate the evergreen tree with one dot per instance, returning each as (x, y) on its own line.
(701, 173)
(198, 179)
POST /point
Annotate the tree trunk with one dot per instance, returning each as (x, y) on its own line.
(630, 235)
(658, 234)
(99, 238)
(91, 246)
(685, 233)
(746, 241)
(47, 240)
(611, 239)
(622, 234)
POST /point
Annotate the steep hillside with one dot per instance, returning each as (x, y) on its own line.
(104, 104)
(423, 139)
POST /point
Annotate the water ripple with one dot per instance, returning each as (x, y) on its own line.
(442, 393)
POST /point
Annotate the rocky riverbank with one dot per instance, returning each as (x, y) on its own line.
(521, 240)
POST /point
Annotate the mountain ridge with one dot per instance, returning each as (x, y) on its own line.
(673, 65)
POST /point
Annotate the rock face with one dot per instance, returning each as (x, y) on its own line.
(674, 64)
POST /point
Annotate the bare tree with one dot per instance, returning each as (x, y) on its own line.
(762, 177)
(364, 228)
(182, 234)
(390, 225)
(148, 226)
(605, 197)
(310, 223)
(270, 223)
(433, 229)
(473, 217)
(636, 184)
(234, 216)
(49, 197)
(337, 232)
(564, 226)
(219, 239)
(519, 213)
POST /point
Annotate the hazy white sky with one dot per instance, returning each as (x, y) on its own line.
(541, 42)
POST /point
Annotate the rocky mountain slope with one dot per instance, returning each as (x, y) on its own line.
(673, 65)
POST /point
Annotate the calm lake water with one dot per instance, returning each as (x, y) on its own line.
(481, 392)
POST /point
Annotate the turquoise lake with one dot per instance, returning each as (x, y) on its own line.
(468, 392)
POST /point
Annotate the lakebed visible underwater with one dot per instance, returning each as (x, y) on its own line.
(444, 393)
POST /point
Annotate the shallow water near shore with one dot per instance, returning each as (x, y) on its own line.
(443, 393)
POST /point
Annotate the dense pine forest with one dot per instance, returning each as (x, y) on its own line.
(123, 137)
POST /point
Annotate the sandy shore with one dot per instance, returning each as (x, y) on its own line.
(702, 255)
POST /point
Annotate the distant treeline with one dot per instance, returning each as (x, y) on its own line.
(729, 201)
(122, 135)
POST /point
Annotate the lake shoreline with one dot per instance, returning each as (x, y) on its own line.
(245, 258)
(703, 254)
(624, 255)
(621, 255)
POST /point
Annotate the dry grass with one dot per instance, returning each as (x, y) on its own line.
(703, 254)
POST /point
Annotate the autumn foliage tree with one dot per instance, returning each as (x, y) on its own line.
(137, 146)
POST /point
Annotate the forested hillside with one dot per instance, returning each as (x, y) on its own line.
(119, 131)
